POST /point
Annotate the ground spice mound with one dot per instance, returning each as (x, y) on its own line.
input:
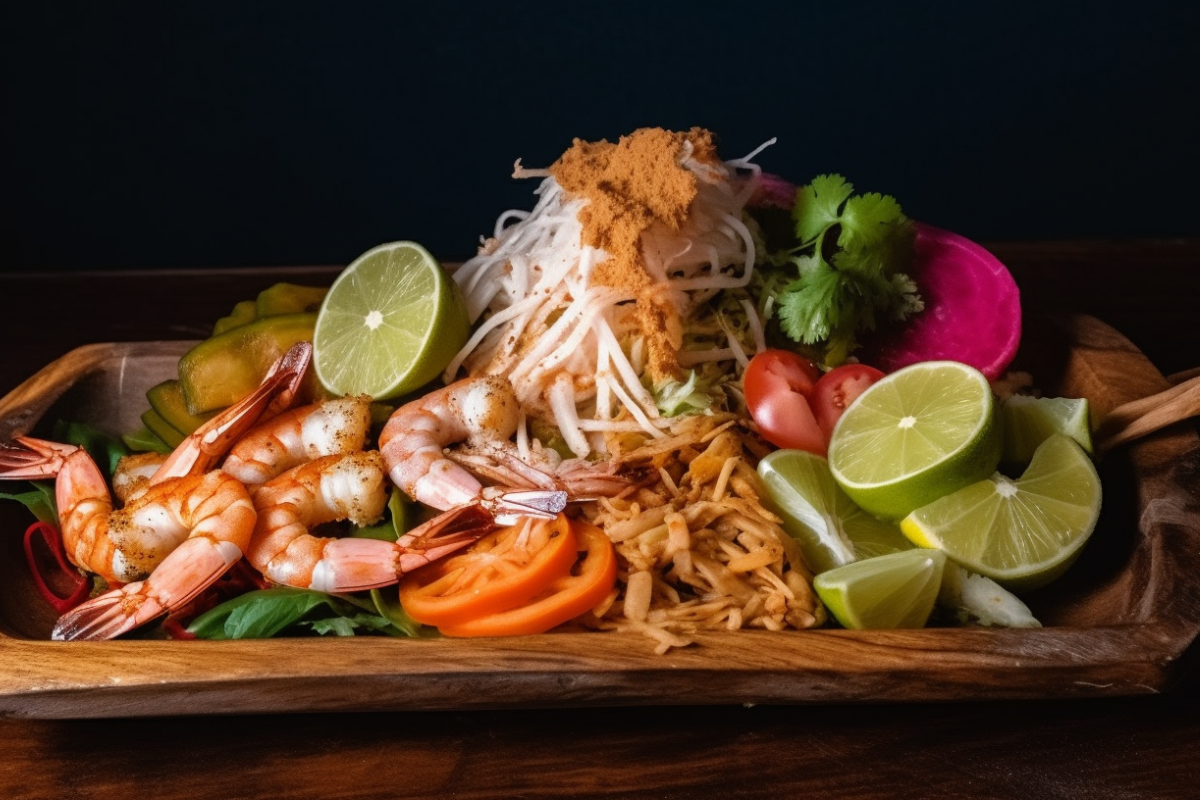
(631, 186)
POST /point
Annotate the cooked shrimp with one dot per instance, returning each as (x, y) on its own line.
(180, 529)
(330, 427)
(482, 412)
(169, 543)
(201, 450)
(474, 410)
(352, 487)
(209, 443)
(133, 473)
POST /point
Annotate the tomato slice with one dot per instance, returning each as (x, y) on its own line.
(837, 389)
(505, 568)
(778, 384)
(589, 581)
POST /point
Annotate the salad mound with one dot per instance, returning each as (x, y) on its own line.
(598, 305)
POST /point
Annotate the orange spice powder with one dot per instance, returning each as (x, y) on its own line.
(631, 186)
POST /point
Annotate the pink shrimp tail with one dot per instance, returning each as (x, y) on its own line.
(190, 569)
(26, 458)
(354, 564)
(202, 449)
(107, 616)
(579, 479)
(443, 535)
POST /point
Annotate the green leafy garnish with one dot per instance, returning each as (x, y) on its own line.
(39, 500)
(105, 449)
(851, 258)
(387, 603)
(284, 610)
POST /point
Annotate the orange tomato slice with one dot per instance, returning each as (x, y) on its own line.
(590, 580)
(503, 569)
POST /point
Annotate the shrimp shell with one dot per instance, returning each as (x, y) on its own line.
(171, 541)
(331, 427)
(474, 410)
(351, 486)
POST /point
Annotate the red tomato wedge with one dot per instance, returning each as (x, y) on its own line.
(778, 385)
(590, 580)
(504, 569)
(837, 389)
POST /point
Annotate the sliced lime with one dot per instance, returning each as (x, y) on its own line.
(391, 322)
(974, 599)
(1028, 421)
(830, 528)
(916, 434)
(897, 590)
(1021, 533)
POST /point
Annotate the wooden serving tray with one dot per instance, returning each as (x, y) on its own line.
(1116, 624)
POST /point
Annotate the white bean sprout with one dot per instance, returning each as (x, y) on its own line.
(573, 348)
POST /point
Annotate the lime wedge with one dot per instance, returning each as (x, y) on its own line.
(971, 599)
(916, 434)
(390, 323)
(1021, 533)
(1028, 421)
(897, 590)
(830, 528)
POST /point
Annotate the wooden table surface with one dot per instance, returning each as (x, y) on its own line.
(1143, 747)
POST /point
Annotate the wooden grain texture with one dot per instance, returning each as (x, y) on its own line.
(1021, 751)
(1082, 747)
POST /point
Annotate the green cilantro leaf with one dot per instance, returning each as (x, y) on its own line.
(817, 206)
(847, 286)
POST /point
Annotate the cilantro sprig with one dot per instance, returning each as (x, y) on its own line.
(851, 257)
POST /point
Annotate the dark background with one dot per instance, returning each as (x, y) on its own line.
(138, 135)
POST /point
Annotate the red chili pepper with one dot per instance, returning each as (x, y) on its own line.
(37, 565)
(174, 627)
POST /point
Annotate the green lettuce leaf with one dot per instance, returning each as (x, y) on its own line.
(290, 611)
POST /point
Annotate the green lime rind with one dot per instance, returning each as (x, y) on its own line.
(1028, 421)
(829, 527)
(390, 323)
(897, 590)
(1021, 533)
(915, 435)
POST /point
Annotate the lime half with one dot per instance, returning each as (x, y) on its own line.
(1029, 421)
(1021, 533)
(390, 323)
(915, 435)
(830, 528)
(897, 590)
